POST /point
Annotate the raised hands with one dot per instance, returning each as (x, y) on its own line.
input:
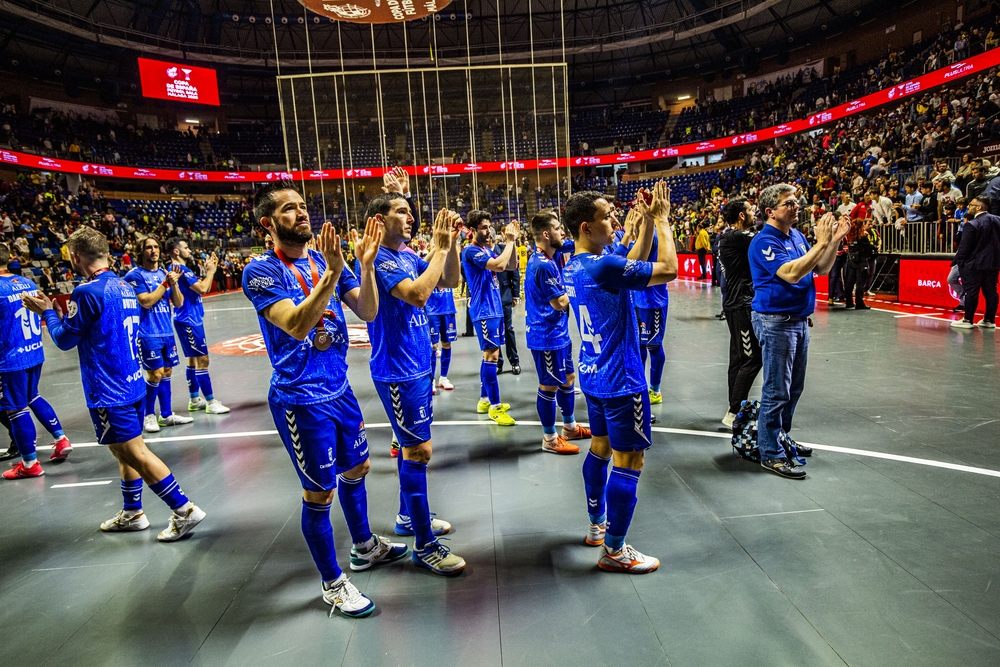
(659, 208)
(173, 277)
(632, 221)
(212, 262)
(841, 228)
(511, 232)
(39, 304)
(824, 228)
(366, 246)
(328, 244)
(443, 233)
(396, 180)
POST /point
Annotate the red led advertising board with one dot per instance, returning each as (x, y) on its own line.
(925, 282)
(178, 83)
(199, 75)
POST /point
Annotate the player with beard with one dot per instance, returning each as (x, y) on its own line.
(189, 321)
(297, 294)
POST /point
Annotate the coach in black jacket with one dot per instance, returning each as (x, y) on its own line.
(510, 292)
(978, 261)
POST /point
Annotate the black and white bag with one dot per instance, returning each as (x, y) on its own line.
(745, 431)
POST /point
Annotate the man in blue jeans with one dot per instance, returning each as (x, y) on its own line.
(782, 266)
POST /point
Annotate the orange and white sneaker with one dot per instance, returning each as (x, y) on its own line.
(559, 446)
(445, 383)
(579, 433)
(627, 560)
(595, 534)
(20, 472)
(61, 449)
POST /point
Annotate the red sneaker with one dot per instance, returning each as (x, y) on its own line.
(20, 472)
(559, 446)
(581, 433)
(61, 449)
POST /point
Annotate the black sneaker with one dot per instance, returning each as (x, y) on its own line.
(801, 449)
(11, 453)
(783, 468)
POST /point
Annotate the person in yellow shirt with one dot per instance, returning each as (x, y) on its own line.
(702, 245)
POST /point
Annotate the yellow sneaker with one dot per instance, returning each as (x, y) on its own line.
(655, 397)
(483, 406)
(500, 416)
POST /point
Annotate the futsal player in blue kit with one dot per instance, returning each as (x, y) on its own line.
(189, 321)
(441, 316)
(481, 268)
(600, 287)
(156, 289)
(21, 357)
(298, 295)
(651, 309)
(102, 321)
(400, 369)
(547, 332)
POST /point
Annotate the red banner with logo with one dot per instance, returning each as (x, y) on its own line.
(688, 267)
(925, 282)
(178, 82)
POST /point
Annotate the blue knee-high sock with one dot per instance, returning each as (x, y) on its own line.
(43, 410)
(132, 494)
(434, 358)
(656, 360)
(621, 504)
(413, 482)
(546, 404)
(488, 376)
(192, 380)
(354, 503)
(205, 382)
(163, 392)
(595, 481)
(318, 532)
(22, 427)
(403, 512)
(567, 405)
(169, 492)
(445, 361)
(152, 388)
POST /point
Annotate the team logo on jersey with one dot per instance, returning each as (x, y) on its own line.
(260, 283)
(768, 254)
(631, 266)
(802, 247)
(72, 310)
(388, 265)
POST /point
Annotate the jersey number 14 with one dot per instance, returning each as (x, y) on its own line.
(587, 333)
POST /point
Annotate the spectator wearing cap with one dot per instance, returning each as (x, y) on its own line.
(978, 261)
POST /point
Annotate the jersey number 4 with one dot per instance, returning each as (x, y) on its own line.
(587, 333)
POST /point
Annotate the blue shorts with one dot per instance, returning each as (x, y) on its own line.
(118, 423)
(624, 419)
(443, 326)
(323, 439)
(553, 365)
(409, 407)
(652, 324)
(17, 388)
(192, 339)
(490, 333)
(156, 353)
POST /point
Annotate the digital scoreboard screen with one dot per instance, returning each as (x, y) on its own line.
(178, 82)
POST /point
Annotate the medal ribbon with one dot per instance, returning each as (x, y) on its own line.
(302, 281)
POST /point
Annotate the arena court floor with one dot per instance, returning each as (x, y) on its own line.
(869, 562)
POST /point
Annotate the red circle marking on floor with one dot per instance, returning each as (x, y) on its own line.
(253, 345)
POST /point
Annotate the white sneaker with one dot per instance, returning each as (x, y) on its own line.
(216, 408)
(345, 596)
(173, 420)
(596, 532)
(445, 383)
(961, 324)
(438, 526)
(627, 560)
(181, 524)
(983, 324)
(126, 522)
(196, 404)
(728, 420)
(150, 425)
(384, 551)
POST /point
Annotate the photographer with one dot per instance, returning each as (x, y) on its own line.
(860, 251)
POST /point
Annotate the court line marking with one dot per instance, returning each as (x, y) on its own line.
(80, 567)
(69, 486)
(751, 516)
(219, 310)
(658, 429)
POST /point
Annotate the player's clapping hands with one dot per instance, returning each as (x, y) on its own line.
(444, 233)
(511, 232)
(366, 246)
(328, 244)
(659, 208)
(173, 277)
(396, 180)
(40, 303)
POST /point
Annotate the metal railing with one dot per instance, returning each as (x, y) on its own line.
(918, 237)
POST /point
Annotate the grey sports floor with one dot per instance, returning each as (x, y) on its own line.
(869, 561)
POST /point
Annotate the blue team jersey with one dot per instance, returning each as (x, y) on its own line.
(654, 296)
(484, 287)
(400, 334)
(302, 374)
(545, 327)
(154, 322)
(21, 345)
(103, 314)
(600, 290)
(191, 311)
(442, 302)
(769, 250)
